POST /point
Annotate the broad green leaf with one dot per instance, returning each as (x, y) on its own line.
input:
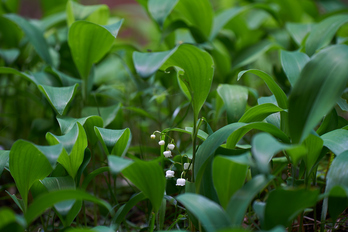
(66, 210)
(160, 9)
(298, 31)
(48, 7)
(197, 14)
(314, 145)
(149, 178)
(117, 164)
(9, 55)
(336, 141)
(342, 103)
(10, 31)
(19, 202)
(29, 163)
(28, 77)
(337, 176)
(293, 63)
(337, 202)
(4, 157)
(239, 132)
(195, 73)
(124, 209)
(329, 123)
(235, 99)
(108, 114)
(34, 36)
(272, 85)
(88, 123)
(98, 14)
(64, 78)
(211, 216)
(207, 149)
(273, 119)
(228, 177)
(89, 42)
(48, 200)
(74, 143)
(10, 221)
(59, 97)
(263, 148)
(240, 201)
(194, 70)
(320, 85)
(252, 53)
(259, 112)
(323, 32)
(115, 142)
(283, 205)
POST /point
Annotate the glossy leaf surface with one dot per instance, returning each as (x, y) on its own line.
(320, 85)
(336, 141)
(4, 157)
(115, 142)
(117, 164)
(211, 215)
(160, 9)
(59, 97)
(293, 63)
(74, 143)
(259, 112)
(235, 100)
(149, 178)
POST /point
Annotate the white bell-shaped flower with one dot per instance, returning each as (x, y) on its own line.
(169, 174)
(171, 146)
(167, 154)
(153, 136)
(187, 165)
(180, 182)
(161, 142)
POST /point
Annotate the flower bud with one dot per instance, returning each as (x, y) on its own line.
(161, 142)
(153, 136)
(180, 182)
(171, 146)
(169, 174)
(167, 154)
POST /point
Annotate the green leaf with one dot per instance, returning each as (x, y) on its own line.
(9, 55)
(34, 35)
(336, 141)
(10, 221)
(298, 31)
(320, 85)
(272, 85)
(197, 14)
(26, 76)
(59, 97)
(4, 157)
(92, 175)
(235, 99)
(29, 163)
(88, 123)
(98, 14)
(283, 205)
(124, 209)
(323, 32)
(252, 53)
(149, 178)
(74, 143)
(240, 201)
(293, 63)
(115, 142)
(48, 200)
(211, 216)
(108, 114)
(160, 9)
(194, 70)
(228, 177)
(259, 112)
(117, 164)
(338, 201)
(89, 42)
(314, 145)
(263, 148)
(337, 176)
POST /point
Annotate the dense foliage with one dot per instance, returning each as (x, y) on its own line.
(200, 116)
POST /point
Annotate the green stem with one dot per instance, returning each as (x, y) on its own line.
(152, 225)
